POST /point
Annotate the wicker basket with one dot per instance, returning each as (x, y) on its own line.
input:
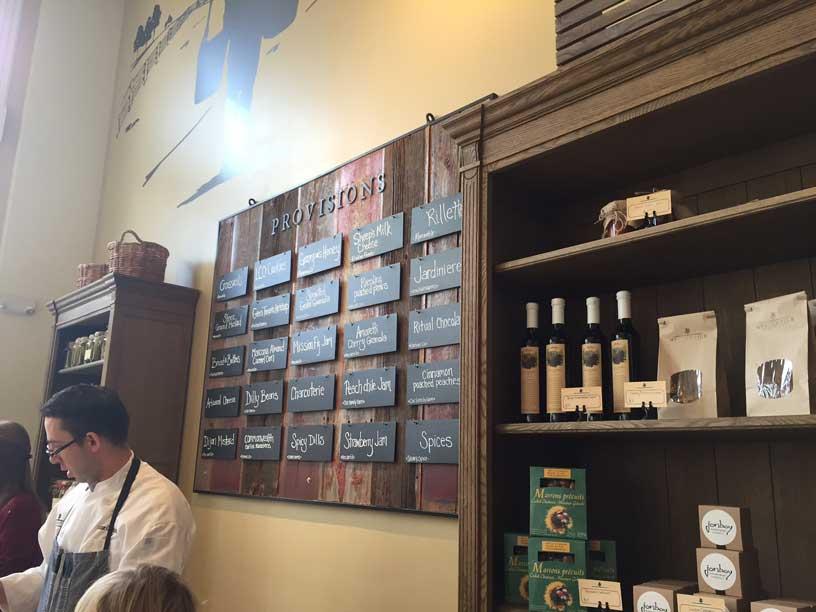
(145, 260)
(90, 272)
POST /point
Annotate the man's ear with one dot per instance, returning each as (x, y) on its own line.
(93, 442)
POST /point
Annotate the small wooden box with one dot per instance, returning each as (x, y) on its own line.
(728, 572)
(725, 527)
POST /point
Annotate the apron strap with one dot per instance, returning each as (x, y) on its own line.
(123, 495)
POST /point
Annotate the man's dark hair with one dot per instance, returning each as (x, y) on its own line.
(87, 408)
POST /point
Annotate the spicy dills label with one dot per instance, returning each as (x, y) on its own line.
(620, 374)
(556, 375)
(591, 365)
(530, 400)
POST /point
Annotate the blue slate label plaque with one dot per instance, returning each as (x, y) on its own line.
(436, 272)
(439, 218)
(432, 441)
(374, 287)
(270, 312)
(232, 285)
(311, 393)
(273, 270)
(219, 444)
(314, 345)
(370, 337)
(370, 388)
(433, 383)
(222, 403)
(227, 362)
(437, 326)
(377, 238)
(264, 397)
(317, 301)
(310, 442)
(267, 355)
(368, 442)
(320, 256)
(230, 322)
(261, 443)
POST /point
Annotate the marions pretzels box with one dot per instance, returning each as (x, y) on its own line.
(725, 527)
(602, 562)
(516, 589)
(728, 572)
(558, 504)
(705, 602)
(554, 568)
(783, 605)
(660, 595)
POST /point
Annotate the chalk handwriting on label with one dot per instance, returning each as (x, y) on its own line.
(368, 442)
(436, 272)
(264, 398)
(219, 443)
(432, 441)
(261, 443)
(310, 443)
(370, 388)
(270, 312)
(232, 285)
(437, 382)
(317, 301)
(314, 346)
(370, 337)
(311, 393)
(230, 322)
(377, 238)
(221, 403)
(439, 218)
(273, 270)
(374, 287)
(227, 362)
(268, 355)
(438, 326)
(320, 256)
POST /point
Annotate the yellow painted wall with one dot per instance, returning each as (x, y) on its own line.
(346, 76)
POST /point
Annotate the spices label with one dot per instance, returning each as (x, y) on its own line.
(227, 362)
(270, 312)
(641, 394)
(219, 444)
(222, 403)
(581, 398)
(374, 287)
(432, 441)
(314, 345)
(377, 238)
(230, 322)
(368, 442)
(317, 301)
(267, 355)
(261, 443)
(370, 337)
(436, 272)
(438, 218)
(264, 398)
(311, 393)
(310, 443)
(433, 383)
(370, 388)
(232, 285)
(320, 256)
(593, 593)
(437, 326)
(273, 270)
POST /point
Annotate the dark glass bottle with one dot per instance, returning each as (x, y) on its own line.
(555, 358)
(625, 349)
(592, 355)
(530, 366)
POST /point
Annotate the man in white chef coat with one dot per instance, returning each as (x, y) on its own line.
(121, 513)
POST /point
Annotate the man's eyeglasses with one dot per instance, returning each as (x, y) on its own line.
(53, 453)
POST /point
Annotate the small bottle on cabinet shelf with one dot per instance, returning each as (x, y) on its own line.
(625, 348)
(530, 366)
(592, 350)
(555, 357)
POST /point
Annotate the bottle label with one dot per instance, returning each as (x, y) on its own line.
(556, 376)
(591, 365)
(530, 401)
(620, 374)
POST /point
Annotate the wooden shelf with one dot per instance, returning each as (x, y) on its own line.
(721, 425)
(758, 232)
(89, 369)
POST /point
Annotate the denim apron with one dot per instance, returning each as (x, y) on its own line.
(69, 575)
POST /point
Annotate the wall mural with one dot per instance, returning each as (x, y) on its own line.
(227, 59)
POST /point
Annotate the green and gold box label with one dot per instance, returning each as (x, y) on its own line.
(516, 590)
(554, 568)
(558, 506)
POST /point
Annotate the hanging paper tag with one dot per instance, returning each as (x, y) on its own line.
(599, 594)
(641, 394)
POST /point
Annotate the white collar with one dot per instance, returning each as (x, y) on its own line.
(115, 482)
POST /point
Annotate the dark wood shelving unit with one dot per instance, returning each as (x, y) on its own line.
(715, 102)
(147, 355)
(94, 368)
(728, 425)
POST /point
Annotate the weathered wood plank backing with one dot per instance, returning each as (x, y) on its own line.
(418, 168)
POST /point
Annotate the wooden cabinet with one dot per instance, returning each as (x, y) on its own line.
(146, 360)
(715, 101)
